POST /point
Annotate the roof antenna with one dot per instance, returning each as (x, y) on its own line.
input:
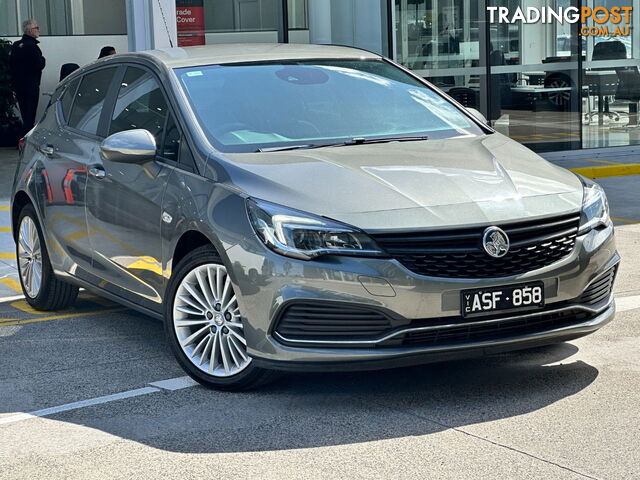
(165, 23)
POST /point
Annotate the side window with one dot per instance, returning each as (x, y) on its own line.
(67, 99)
(87, 107)
(140, 104)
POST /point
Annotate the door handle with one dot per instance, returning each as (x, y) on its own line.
(97, 172)
(46, 149)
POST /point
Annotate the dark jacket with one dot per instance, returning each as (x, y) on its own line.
(26, 64)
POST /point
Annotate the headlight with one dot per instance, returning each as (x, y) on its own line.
(305, 236)
(595, 208)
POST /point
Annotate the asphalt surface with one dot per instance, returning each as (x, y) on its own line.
(86, 383)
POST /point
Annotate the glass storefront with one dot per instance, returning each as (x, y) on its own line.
(441, 41)
(611, 77)
(254, 20)
(543, 84)
(64, 17)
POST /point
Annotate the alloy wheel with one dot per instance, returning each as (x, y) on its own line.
(207, 322)
(559, 99)
(30, 257)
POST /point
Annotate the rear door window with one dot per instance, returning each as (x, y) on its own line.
(89, 99)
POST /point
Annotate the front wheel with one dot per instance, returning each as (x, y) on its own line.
(204, 324)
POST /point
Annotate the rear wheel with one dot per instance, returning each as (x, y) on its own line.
(42, 290)
(204, 325)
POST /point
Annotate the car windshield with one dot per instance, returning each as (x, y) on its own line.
(248, 107)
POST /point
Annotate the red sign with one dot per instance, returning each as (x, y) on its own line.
(190, 19)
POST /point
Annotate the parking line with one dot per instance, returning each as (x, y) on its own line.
(171, 385)
(6, 323)
(622, 170)
(11, 299)
(624, 304)
(11, 283)
(3, 207)
(5, 229)
(75, 405)
(7, 256)
(23, 306)
(174, 384)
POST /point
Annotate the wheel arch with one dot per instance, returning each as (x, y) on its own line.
(189, 241)
(20, 200)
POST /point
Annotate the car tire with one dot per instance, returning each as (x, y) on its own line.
(42, 289)
(559, 100)
(204, 326)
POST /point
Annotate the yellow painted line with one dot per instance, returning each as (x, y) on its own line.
(7, 256)
(609, 171)
(623, 220)
(595, 160)
(12, 284)
(5, 229)
(23, 306)
(2, 207)
(7, 322)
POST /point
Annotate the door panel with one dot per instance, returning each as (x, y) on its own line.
(63, 183)
(124, 207)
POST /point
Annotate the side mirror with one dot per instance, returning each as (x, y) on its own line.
(130, 146)
(478, 115)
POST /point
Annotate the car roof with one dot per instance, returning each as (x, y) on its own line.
(250, 52)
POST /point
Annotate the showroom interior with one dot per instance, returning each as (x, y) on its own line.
(542, 84)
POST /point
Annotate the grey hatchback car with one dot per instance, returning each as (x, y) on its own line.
(289, 207)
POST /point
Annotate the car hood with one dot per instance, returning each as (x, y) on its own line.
(406, 185)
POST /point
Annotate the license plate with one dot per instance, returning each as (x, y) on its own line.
(483, 300)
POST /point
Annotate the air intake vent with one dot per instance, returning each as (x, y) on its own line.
(327, 322)
(600, 289)
(498, 330)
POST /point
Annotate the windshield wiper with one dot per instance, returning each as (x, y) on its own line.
(352, 141)
(363, 141)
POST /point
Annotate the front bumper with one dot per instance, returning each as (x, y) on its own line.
(345, 360)
(266, 282)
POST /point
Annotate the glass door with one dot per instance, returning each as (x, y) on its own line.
(611, 78)
(441, 40)
(535, 97)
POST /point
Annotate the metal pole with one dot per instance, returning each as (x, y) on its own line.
(283, 26)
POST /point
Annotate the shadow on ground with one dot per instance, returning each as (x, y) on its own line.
(317, 410)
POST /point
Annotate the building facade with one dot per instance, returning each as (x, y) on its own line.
(546, 85)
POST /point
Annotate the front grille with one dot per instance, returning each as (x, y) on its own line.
(459, 253)
(492, 331)
(600, 289)
(327, 322)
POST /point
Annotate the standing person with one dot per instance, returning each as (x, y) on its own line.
(106, 51)
(26, 64)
